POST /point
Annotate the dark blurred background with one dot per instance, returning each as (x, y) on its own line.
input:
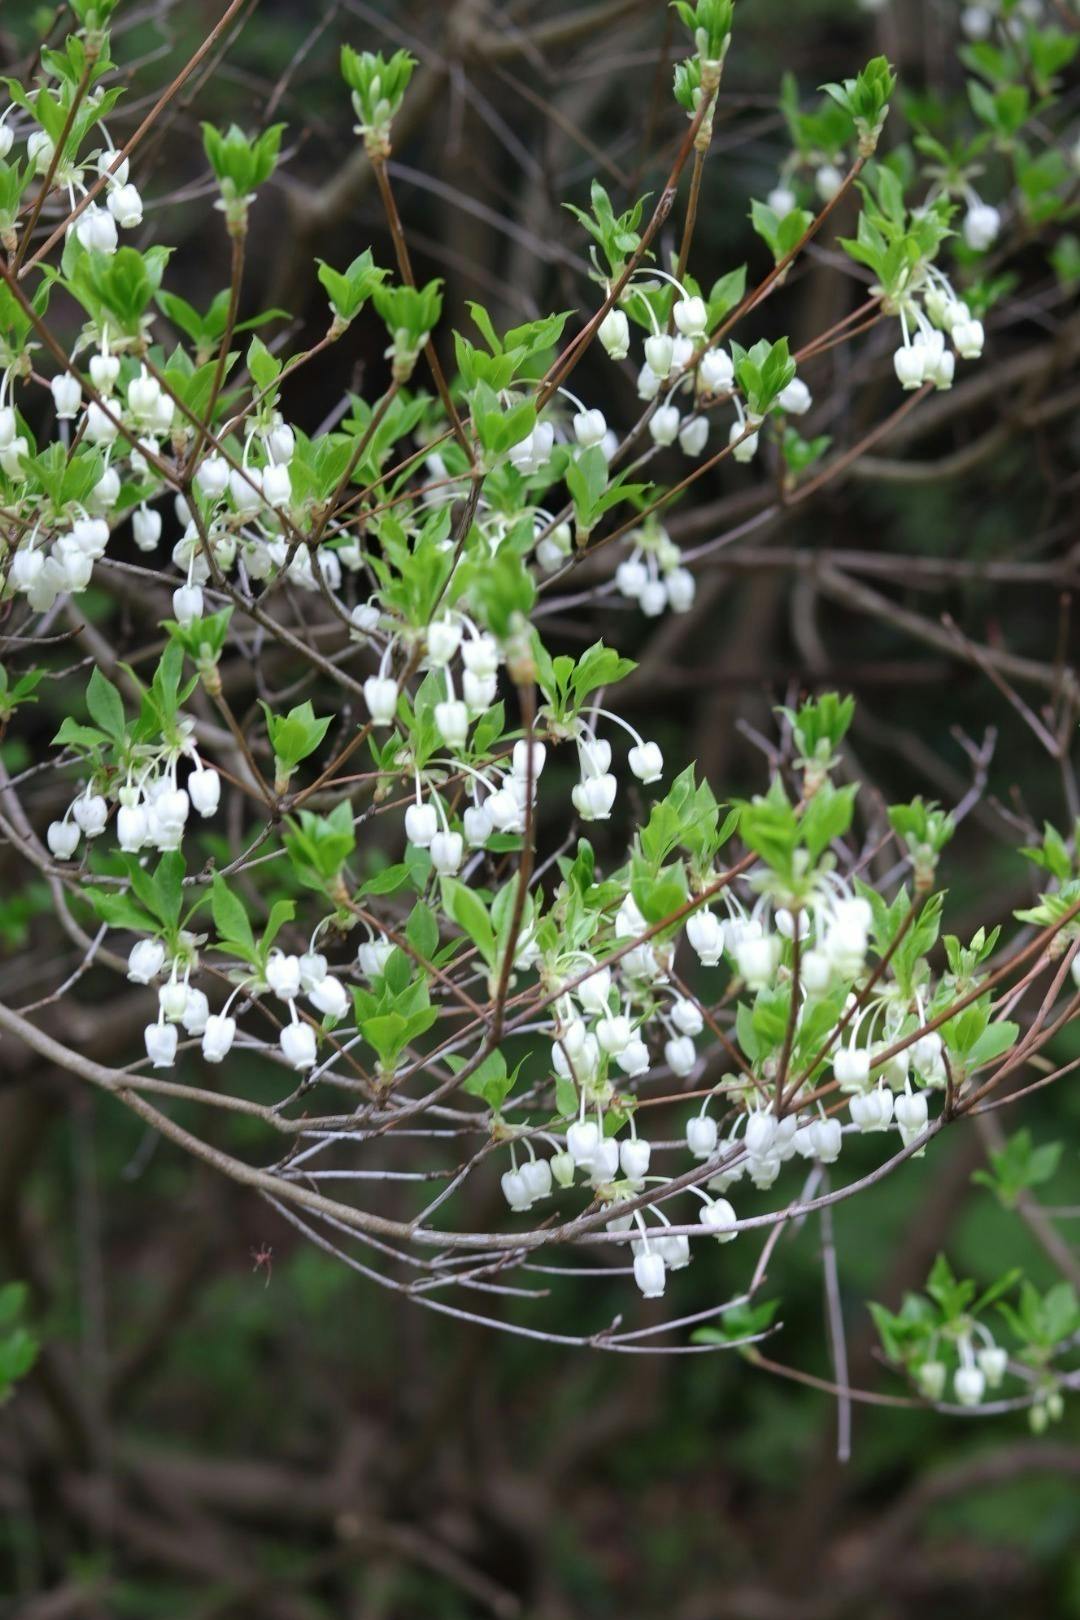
(225, 1422)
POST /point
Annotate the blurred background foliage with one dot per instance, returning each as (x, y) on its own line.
(223, 1421)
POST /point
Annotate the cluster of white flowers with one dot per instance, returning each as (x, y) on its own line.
(980, 1368)
(922, 356)
(653, 575)
(153, 808)
(183, 1005)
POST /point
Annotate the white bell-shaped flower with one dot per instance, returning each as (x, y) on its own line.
(478, 825)
(62, 838)
(381, 697)
(969, 1385)
(298, 1046)
(145, 960)
(659, 353)
(67, 396)
(650, 1273)
(582, 1140)
(686, 1016)
(447, 853)
(795, 399)
(614, 334)
(593, 992)
(204, 790)
(664, 424)
(537, 1177)
(646, 761)
(680, 1054)
(161, 1043)
(968, 337)
(217, 1037)
(681, 588)
(744, 449)
(719, 1216)
(452, 722)
(421, 824)
(911, 1113)
(126, 207)
(716, 372)
(132, 828)
(634, 1156)
(330, 997)
(283, 975)
(690, 316)
(196, 1012)
(91, 813)
(443, 638)
(373, 955)
(826, 1138)
(982, 224)
(589, 428)
(593, 798)
(701, 1136)
(705, 932)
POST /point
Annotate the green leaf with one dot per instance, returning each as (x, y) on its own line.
(105, 705)
(231, 919)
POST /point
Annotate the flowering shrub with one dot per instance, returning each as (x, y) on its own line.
(628, 1050)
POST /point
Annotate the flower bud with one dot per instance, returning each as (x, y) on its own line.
(993, 1363)
(173, 998)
